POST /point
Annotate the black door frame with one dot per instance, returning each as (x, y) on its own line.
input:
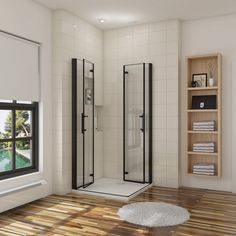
(75, 126)
(143, 116)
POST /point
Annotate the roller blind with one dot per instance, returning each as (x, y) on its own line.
(19, 69)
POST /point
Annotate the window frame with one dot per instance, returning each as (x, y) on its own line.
(34, 137)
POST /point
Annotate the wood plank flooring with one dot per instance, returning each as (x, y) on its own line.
(213, 213)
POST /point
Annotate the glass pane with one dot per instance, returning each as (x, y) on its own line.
(5, 124)
(88, 123)
(134, 122)
(79, 123)
(23, 154)
(23, 123)
(147, 122)
(5, 156)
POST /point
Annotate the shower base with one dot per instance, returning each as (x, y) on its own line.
(113, 188)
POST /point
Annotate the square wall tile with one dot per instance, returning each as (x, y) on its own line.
(159, 26)
(172, 110)
(172, 147)
(157, 37)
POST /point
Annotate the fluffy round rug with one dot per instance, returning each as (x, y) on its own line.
(153, 214)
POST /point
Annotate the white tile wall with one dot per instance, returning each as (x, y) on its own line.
(72, 38)
(157, 43)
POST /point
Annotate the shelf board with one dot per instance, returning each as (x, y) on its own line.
(212, 55)
(202, 132)
(204, 176)
(202, 88)
(203, 153)
(202, 110)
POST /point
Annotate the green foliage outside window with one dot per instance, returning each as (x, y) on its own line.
(22, 130)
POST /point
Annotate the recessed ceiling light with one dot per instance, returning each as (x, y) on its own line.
(101, 20)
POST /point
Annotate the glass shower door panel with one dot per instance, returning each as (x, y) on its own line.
(147, 123)
(88, 97)
(79, 126)
(134, 123)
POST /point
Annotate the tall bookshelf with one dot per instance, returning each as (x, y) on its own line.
(199, 65)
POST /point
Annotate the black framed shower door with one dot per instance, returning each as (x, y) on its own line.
(82, 123)
(137, 123)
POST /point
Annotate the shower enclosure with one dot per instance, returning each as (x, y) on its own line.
(82, 123)
(137, 131)
(137, 123)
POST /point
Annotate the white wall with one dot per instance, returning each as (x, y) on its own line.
(201, 37)
(29, 20)
(157, 43)
(73, 38)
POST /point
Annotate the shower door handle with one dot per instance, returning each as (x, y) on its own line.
(82, 123)
(142, 127)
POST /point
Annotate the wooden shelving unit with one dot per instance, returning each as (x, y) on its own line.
(198, 65)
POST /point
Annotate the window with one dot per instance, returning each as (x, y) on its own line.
(18, 138)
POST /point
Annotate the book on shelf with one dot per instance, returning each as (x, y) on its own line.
(208, 147)
(203, 129)
(203, 173)
(205, 144)
(210, 122)
(204, 169)
(204, 151)
(204, 148)
(204, 165)
(204, 125)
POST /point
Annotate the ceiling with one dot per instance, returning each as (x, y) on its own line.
(119, 13)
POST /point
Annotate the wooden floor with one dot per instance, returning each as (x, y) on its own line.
(212, 213)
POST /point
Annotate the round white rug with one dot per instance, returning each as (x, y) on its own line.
(153, 214)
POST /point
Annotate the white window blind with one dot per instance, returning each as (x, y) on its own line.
(19, 69)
